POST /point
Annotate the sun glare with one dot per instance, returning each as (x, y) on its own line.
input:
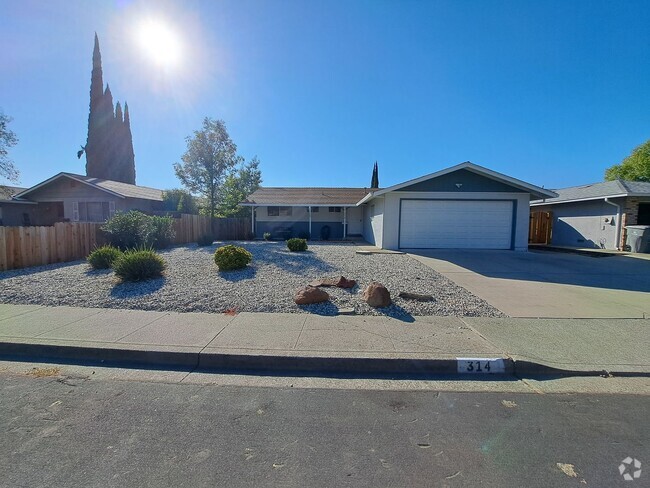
(160, 43)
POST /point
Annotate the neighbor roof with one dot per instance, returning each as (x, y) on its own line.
(475, 168)
(117, 188)
(6, 192)
(598, 191)
(306, 196)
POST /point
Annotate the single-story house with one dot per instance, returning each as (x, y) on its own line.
(76, 198)
(465, 206)
(596, 215)
(11, 209)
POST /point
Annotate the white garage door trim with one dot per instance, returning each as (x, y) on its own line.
(426, 223)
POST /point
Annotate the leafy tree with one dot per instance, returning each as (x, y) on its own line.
(179, 200)
(237, 187)
(8, 139)
(635, 167)
(210, 156)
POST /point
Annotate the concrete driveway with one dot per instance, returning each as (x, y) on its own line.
(549, 284)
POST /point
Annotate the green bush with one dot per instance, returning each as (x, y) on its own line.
(267, 236)
(139, 264)
(297, 245)
(206, 240)
(161, 232)
(103, 257)
(231, 257)
(134, 229)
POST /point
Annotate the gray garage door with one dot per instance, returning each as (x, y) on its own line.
(456, 224)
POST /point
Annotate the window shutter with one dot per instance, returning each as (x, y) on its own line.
(75, 211)
(111, 209)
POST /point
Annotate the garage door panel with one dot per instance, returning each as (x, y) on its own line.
(462, 224)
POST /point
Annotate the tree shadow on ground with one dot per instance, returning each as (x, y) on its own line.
(98, 272)
(327, 309)
(396, 312)
(248, 273)
(299, 263)
(15, 273)
(132, 289)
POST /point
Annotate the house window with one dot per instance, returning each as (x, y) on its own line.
(286, 211)
(335, 209)
(272, 211)
(314, 209)
(92, 211)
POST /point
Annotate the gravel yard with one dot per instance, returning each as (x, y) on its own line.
(192, 283)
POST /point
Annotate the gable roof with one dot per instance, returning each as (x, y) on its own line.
(306, 196)
(536, 191)
(598, 191)
(115, 188)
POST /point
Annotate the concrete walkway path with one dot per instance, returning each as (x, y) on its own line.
(317, 344)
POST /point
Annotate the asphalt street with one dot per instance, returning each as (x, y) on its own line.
(78, 430)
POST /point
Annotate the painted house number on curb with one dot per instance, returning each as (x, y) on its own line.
(480, 365)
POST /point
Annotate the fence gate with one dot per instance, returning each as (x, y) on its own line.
(539, 230)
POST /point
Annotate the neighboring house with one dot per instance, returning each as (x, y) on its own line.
(465, 206)
(13, 211)
(307, 212)
(596, 215)
(77, 198)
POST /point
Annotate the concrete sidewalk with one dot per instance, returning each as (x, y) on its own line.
(319, 345)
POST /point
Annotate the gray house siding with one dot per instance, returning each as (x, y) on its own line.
(583, 224)
(469, 181)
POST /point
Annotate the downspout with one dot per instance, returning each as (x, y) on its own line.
(253, 221)
(345, 223)
(618, 223)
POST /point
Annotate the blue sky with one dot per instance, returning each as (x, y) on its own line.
(549, 92)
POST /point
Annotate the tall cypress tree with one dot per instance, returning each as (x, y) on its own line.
(109, 147)
(374, 182)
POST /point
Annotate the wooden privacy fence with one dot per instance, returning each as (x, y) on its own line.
(21, 247)
(232, 229)
(539, 230)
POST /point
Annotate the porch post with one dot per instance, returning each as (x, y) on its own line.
(253, 221)
(309, 210)
(345, 222)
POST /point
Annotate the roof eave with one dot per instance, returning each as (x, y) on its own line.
(538, 203)
(67, 175)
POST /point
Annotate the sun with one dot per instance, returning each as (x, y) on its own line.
(160, 43)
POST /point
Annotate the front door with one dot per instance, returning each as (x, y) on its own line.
(355, 221)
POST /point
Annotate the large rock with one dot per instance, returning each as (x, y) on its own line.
(376, 295)
(341, 282)
(310, 294)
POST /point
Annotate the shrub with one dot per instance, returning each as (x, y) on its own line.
(231, 257)
(134, 229)
(139, 264)
(160, 232)
(127, 230)
(297, 245)
(205, 240)
(103, 257)
(267, 236)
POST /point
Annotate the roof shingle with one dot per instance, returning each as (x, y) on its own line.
(306, 196)
(598, 190)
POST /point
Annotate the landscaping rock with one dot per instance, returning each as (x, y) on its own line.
(376, 295)
(341, 282)
(347, 311)
(309, 295)
(415, 296)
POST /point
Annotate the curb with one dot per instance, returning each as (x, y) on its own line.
(264, 364)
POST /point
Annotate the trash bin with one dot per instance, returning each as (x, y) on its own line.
(638, 238)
